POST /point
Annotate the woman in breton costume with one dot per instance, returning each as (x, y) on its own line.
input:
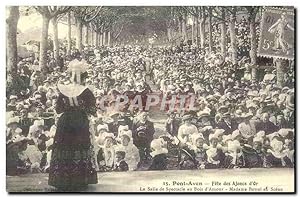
(71, 166)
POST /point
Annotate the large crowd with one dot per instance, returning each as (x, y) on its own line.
(236, 122)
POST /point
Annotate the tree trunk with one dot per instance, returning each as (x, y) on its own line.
(210, 41)
(193, 29)
(112, 39)
(97, 40)
(92, 37)
(11, 35)
(196, 30)
(108, 38)
(253, 42)
(180, 27)
(169, 34)
(280, 65)
(69, 35)
(184, 29)
(202, 32)
(233, 45)
(55, 39)
(104, 38)
(100, 37)
(223, 35)
(44, 44)
(86, 35)
(79, 35)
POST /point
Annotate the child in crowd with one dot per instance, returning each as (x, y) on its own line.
(132, 156)
(199, 150)
(215, 155)
(120, 165)
(106, 154)
(234, 155)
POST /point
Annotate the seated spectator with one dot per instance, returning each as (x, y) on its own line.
(199, 150)
(132, 156)
(215, 156)
(186, 129)
(36, 129)
(234, 157)
(275, 155)
(106, 154)
(12, 129)
(120, 164)
(266, 125)
(159, 155)
(247, 128)
(187, 162)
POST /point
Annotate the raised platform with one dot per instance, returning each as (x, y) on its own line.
(237, 180)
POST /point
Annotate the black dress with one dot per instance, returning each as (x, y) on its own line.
(159, 162)
(71, 161)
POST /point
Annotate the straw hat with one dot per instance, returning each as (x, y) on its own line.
(13, 120)
(13, 97)
(186, 117)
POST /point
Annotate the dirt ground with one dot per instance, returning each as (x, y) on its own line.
(277, 180)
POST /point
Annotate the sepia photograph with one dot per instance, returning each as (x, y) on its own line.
(150, 99)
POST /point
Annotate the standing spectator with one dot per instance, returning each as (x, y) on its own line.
(143, 131)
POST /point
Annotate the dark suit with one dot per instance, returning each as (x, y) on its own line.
(172, 127)
(229, 128)
(268, 127)
(142, 133)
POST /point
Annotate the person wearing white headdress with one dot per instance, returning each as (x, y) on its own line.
(276, 157)
(36, 129)
(159, 155)
(199, 149)
(257, 158)
(72, 140)
(215, 155)
(132, 155)
(12, 128)
(289, 151)
(234, 155)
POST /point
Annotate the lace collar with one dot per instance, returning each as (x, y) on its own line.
(71, 90)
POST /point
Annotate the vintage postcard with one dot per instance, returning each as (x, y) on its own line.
(150, 99)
